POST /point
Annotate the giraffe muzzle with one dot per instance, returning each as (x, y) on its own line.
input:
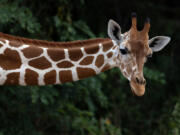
(138, 87)
(140, 80)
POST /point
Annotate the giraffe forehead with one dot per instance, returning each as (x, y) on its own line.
(138, 47)
(136, 41)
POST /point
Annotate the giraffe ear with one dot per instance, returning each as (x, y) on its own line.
(114, 31)
(158, 43)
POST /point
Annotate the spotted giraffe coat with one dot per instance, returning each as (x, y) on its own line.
(35, 62)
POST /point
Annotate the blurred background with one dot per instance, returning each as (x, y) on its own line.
(100, 105)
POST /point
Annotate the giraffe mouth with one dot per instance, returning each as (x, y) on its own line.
(137, 89)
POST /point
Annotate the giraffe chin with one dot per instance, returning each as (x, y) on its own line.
(137, 89)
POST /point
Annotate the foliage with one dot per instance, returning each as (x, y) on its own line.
(100, 105)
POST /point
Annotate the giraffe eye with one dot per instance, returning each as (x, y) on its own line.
(149, 56)
(124, 51)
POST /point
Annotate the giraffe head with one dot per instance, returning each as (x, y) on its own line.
(134, 49)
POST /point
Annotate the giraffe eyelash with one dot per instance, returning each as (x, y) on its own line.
(149, 56)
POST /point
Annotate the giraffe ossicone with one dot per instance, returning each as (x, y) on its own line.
(35, 62)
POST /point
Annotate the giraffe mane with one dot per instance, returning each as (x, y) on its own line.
(52, 44)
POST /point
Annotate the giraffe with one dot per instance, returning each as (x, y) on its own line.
(38, 62)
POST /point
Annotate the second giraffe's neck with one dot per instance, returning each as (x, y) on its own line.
(35, 62)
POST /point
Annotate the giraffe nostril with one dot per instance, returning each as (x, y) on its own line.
(141, 80)
(137, 80)
(144, 81)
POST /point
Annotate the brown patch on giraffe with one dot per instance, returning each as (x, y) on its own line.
(128, 70)
(56, 54)
(85, 72)
(106, 67)
(15, 43)
(65, 76)
(12, 79)
(50, 77)
(2, 40)
(99, 61)
(10, 59)
(75, 54)
(110, 54)
(87, 60)
(133, 63)
(65, 64)
(31, 77)
(40, 63)
(32, 52)
(122, 66)
(92, 49)
(107, 46)
(1, 45)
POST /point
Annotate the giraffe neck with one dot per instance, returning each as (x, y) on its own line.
(34, 62)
